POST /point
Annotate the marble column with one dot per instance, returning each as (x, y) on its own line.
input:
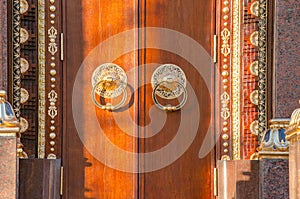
(3, 44)
(286, 81)
(274, 178)
(9, 127)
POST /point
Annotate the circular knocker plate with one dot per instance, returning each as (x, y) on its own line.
(110, 79)
(169, 81)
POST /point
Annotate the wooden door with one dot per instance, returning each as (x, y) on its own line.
(112, 155)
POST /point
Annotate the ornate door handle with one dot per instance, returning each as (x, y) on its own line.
(109, 81)
(169, 82)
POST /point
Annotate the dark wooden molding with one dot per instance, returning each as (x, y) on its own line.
(39, 178)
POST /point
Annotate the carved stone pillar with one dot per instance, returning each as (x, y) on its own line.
(9, 127)
(293, 135)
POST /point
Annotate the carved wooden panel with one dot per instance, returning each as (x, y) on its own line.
(238, 71)
(224, 94)
(53, 79)
(29, 76)
(35, 74)
(249, 72)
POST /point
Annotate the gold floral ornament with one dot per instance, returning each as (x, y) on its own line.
(24, 95)
(23, 6)
(254, 68)
(254, 97)
(23, 124)
(254, 38)
(254, 128)
(225, 111)
(225, 157)
(24, 65)
(225, 49)
(255, 8)
(52, 111)
(52, 46)
(24, 35)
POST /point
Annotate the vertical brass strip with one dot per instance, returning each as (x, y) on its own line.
(61, 180)
(215, 48)
(61, 46)
(41, 79)
(52, 71)
(216, 177)
(236, 76)
(263, 67)
(16, 54)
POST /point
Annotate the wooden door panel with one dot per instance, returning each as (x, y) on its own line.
(87, 24)
(188, 177)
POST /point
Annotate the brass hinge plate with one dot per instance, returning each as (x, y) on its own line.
(215, 48)
(61, 180)
(62, 46)
(216, 181)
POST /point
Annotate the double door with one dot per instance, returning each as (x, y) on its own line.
(138, 150)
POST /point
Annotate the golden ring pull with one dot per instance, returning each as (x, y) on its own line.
(169, 82)
(168, 107)
(109, 81)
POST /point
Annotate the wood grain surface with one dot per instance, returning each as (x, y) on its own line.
(90, 23)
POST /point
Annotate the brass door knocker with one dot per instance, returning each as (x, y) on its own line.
(109, 81)
(169, 82)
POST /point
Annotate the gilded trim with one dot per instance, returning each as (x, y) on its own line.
(52, 34)
(225, 68)
(236, 120)
(41, 79)
(16, 54)
(262, 65)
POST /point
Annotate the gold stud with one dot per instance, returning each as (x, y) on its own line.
(225, 136)
(52, 8)
(226, 10)
(52, 135)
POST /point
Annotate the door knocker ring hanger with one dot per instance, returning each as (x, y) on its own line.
(169, 82)
(109, 81)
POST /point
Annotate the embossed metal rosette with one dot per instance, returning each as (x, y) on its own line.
(169, 82)
(109, 81)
